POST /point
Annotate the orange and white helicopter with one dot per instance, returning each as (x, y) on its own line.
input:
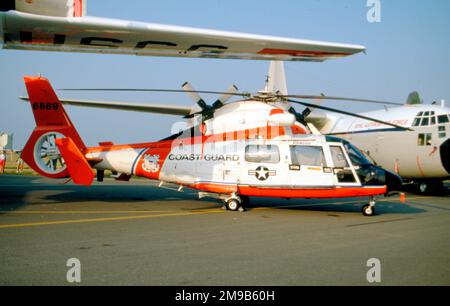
(258, 146)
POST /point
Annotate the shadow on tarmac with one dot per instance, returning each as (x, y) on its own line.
(15, 190)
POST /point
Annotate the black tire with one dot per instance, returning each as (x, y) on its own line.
(368, 210)
(423, 188)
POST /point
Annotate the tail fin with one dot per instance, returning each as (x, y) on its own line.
(277, 78)
(55, 8)
(42, 151)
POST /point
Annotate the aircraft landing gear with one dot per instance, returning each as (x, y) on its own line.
(369, 209)
(236, 203)
(231, 202)
(430, 187)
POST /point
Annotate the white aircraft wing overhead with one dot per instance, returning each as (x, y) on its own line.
(127, 106)
(25, 31)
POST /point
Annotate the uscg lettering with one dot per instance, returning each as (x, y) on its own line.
(207, 157)
(111, 42)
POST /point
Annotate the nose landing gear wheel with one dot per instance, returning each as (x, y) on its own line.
(368, 210)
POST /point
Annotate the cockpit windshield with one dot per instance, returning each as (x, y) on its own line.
(356, 156)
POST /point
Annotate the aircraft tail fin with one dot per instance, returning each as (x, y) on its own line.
(277, 78)
(46, 152)
(54, 8)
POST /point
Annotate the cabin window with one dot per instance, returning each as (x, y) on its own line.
(308, 156)
(442, 132)
(421, 140)
(428, 138)
(262, 154)
(442, 119)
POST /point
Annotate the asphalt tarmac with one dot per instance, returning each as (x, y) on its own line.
(138, 234)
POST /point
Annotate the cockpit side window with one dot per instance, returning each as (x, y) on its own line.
(338, 156)
(342, 168)
(433, 120)
(425, 121)
(425, 139)
(442, 119)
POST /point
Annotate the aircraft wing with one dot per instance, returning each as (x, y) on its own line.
(25, 31)
(146, 108)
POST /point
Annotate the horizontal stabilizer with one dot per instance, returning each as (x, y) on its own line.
(77, 165)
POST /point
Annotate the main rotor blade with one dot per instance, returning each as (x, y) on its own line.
(177, 110)
(348, 114)
(323, 97)
(239, 94)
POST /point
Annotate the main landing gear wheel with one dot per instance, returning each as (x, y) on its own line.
(423, 187)
(430, 187)
(233, 205)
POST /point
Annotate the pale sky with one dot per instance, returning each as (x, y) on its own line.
(408, 50)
